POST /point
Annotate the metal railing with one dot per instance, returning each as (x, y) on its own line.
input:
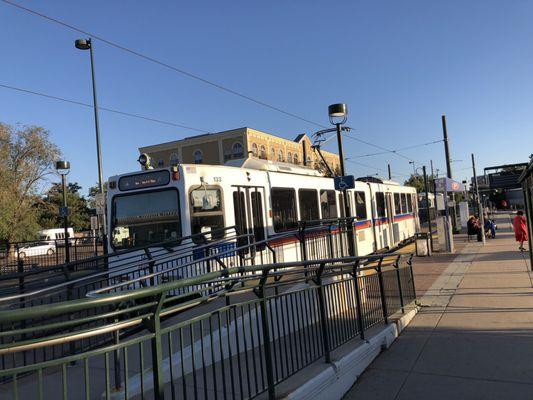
(31, 255)
(74, 279)
(283, 317)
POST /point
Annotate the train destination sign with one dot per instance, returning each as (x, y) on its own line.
(145, 180)
(344, 182)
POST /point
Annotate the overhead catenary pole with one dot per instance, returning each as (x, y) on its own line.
(446, 148)
(427, 207)
(479, 207)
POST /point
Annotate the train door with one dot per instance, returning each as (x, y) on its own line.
(390, 213)
(248, 204)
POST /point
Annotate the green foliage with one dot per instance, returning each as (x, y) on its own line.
(417, 181)
(48, 208)
(27, 157)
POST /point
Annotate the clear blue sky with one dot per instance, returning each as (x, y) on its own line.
(398, 65)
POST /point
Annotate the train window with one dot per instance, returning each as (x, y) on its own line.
(328, 204)
(143, 218)
(404, 203)
(207, 214)
(360, 205)
(239, 209)
(380, 204)
(257, 215)
(308, 201)
(284, 215)
(341, 204)
(397, 204)
(409, 203)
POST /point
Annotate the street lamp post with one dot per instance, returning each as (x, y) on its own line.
(63, 168)
(338, 114)
(86, 44)
(414, 167)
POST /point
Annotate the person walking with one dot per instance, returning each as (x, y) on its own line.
(520, 229)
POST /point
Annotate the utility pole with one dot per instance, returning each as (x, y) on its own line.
(390, 175)
(446, 148)
(427, 207)
(479, 208)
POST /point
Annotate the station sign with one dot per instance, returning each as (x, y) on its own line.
(448, 185)
(344, 182)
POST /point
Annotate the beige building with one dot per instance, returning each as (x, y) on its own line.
(218, 148)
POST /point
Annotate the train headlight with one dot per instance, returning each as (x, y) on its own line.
(145, 161)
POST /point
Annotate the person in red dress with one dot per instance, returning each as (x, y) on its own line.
(520, 229)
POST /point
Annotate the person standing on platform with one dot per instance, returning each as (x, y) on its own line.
(520, 229)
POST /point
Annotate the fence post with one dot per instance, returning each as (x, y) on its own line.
(151, 264)
(410, 263)
(323, 315)
(157, 350)
(266, 336)
(330, 241)
(397, 267)
(303, 244)
(360, 320)
(382, 292)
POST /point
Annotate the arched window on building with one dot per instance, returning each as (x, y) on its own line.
(198, 156)
(263, 153)
(254, 149)
(272, 153)
(295, 158)
(173, 159)
(280, 155)
(237, 150)
(289, 157)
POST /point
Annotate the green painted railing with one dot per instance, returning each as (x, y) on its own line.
(168, 341)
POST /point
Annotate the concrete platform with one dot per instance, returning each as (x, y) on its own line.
(472, 337)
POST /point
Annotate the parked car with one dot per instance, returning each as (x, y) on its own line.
(36, 249)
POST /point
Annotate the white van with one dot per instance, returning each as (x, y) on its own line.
(51, 235)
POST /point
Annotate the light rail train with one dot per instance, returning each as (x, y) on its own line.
(262, 198)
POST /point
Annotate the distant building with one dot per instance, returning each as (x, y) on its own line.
(218, 148)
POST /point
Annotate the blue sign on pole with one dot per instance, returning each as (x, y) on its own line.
(344, 182)
(63, 211)
(448, 185)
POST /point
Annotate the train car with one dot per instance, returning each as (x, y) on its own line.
(263, 198)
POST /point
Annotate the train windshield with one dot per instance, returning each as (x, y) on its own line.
(144, 218)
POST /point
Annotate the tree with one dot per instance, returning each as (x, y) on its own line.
(27, 156)
(49, 205)
(417, 181)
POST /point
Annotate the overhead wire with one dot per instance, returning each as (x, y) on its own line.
(163, 64)
(189, 74)
(125, 113)
(400, 149)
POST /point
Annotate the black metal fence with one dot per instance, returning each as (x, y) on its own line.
(282, 318)
(37, 254)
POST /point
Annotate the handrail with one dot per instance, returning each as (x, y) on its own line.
(324, 301)
(70, 265)
(118, 268)
(51, 310)
(220, 254)
(126, 265)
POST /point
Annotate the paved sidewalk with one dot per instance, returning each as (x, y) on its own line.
(473, 339)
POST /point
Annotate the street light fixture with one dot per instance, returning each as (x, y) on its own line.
(338, 115)
(86, 44)
(63, 168)
(414, 167)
